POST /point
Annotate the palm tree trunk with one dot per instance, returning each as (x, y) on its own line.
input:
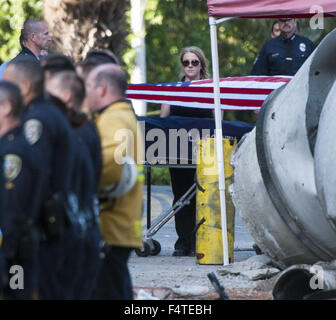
(78, 26)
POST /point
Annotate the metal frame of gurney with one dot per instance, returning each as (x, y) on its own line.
(151, 246)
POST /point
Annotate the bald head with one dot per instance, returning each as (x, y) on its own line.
(106, 84)
(113, 76)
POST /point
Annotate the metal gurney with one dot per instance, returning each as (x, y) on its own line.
(177, 148)
(151, 246)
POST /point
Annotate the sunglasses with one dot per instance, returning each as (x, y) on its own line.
(194, 63)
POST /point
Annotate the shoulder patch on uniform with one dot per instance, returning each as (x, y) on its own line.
(302, 47)
(32, 130)
(12, 166)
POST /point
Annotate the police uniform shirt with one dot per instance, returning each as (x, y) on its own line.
(45, 127)
(83, 184)
(22, 179)
(89, 135)
(280, 56)
(25, 52)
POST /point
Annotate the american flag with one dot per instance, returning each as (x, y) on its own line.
(236, 93)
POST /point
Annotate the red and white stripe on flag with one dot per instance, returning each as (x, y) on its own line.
(236, 93)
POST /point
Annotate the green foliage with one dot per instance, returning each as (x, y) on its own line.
(174, 24)
(170, 26)
(159, 176)
(12, 15)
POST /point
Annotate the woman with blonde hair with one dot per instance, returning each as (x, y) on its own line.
(194, 66)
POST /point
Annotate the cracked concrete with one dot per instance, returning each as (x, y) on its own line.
(167, 277)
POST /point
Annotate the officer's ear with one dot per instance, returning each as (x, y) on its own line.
(5, 108)
(67, 96)
(32, 37)
(102, 89)
(25, 87)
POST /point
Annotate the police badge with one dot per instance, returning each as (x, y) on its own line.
(302, 47)
(32, 130)
(12, 166)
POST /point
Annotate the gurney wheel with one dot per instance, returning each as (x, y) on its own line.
(145, 251)
(157, 248)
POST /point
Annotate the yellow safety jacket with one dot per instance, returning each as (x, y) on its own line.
(120, 218)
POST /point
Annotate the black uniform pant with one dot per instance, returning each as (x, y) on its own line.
(114, 280)
(2, 271)
(90, 264)
(59, 265)
(185, 219)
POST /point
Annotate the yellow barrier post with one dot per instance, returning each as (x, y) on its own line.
(209, 244)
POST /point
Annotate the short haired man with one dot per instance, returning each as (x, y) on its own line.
(283, 55)
(121, 197)
(22, 174)
(68, 87)
(34, 40)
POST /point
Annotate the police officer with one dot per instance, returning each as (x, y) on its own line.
(285, 54)
(34, 40)
(69, 88)
(45, 127)
(22, 178)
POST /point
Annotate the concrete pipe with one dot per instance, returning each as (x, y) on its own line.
(256, 209)
(307, 282)
(324, 158)
(293, 229)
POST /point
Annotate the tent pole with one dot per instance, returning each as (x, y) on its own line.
(219, 135)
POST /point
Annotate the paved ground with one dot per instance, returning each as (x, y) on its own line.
(182, 276)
